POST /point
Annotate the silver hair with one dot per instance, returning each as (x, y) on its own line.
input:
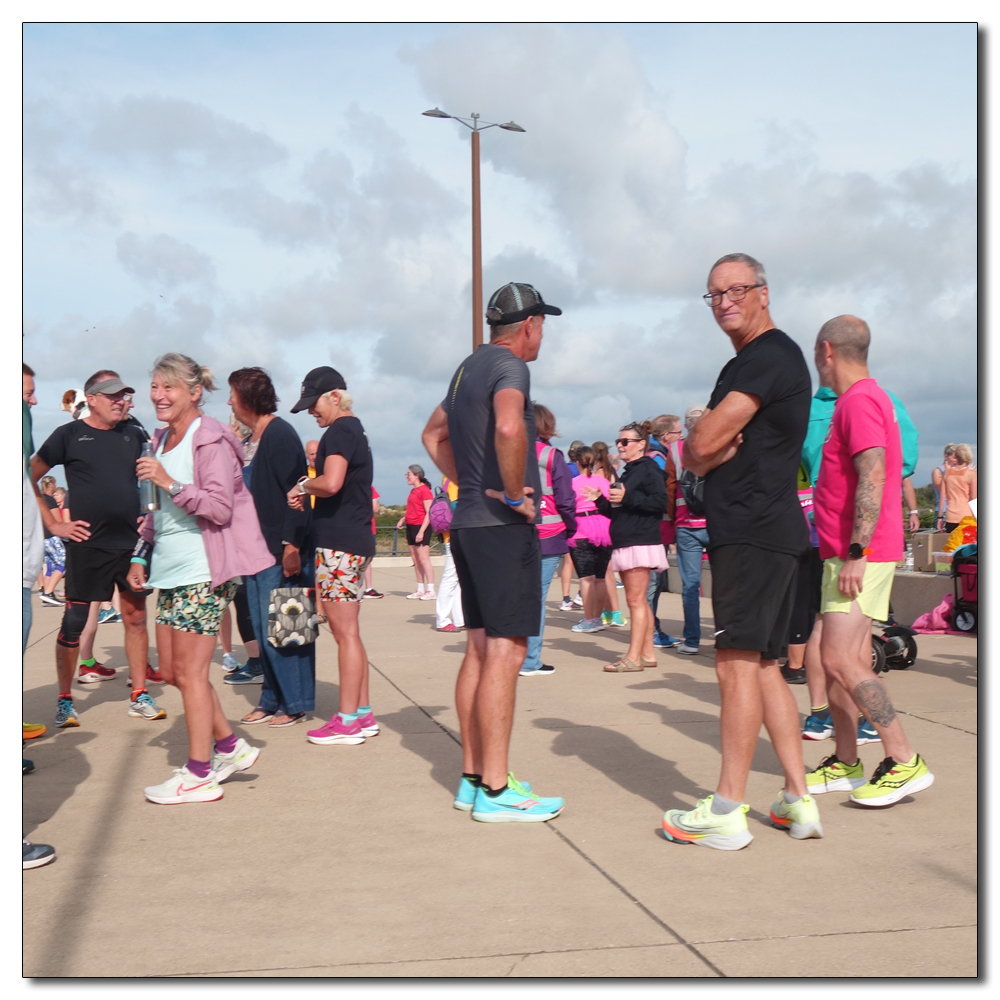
(180, 369)
(759, 274)
(346, 399)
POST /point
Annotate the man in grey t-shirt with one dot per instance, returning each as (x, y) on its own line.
(482, 437)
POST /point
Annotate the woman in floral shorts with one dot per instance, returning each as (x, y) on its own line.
(344, 543)
(204, 535)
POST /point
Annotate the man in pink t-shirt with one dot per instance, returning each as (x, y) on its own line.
(856, 514)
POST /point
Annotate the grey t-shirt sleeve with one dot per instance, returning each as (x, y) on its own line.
(511, 373)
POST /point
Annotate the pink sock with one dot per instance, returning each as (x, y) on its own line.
(199, 768)
(227, 744)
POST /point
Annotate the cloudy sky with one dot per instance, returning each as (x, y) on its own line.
(272, 195)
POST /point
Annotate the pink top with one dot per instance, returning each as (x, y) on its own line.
(863, 417)
(219, 498)
(594, 528)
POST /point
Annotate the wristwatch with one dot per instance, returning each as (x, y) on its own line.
(301, 485)
(174, 488)
(856, 552)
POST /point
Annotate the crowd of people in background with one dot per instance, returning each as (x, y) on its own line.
(792, 499)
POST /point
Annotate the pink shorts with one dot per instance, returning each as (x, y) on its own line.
(653, 557)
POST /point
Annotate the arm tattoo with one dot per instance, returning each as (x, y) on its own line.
(872, 698)
(870, 464)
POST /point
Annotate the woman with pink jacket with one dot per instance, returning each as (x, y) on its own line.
(204, 535)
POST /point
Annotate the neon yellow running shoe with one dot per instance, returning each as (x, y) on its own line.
(800, 819)
(892, 781)
(703, 827)
(833, 775)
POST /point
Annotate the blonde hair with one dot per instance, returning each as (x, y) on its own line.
(46, 481)
(180, 369)
(963, 452)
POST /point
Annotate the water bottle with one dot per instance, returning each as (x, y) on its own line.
(149, 499)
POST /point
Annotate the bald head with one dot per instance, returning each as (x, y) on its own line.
(848, 336)
(312, 447)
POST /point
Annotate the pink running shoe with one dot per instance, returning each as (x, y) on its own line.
(447, 628)
(336, 731)
(368, 724)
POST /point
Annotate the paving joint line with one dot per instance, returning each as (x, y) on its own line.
(934, 722)
(518, 955)
(826, 934)
(590, 861)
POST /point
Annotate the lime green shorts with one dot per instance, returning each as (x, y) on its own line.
(875, 589)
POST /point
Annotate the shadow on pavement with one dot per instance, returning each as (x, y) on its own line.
(59, 767)
(706, 691)
(624, 762)
(413, 726)
(963, 669)
(686, 721)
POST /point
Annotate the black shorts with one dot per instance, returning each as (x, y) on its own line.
(500, 570)
(91, 573)
(590, 559)
(808, 584)
(411, 535)
(753, 591)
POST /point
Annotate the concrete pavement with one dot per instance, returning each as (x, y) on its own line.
(350, 861)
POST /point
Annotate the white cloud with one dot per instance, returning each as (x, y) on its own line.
(163, 262)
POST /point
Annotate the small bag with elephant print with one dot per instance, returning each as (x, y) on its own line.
(291, 617)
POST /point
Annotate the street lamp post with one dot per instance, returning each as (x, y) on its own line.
(476, 126)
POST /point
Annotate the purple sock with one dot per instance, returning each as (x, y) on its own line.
(199, 768)
(227, 744)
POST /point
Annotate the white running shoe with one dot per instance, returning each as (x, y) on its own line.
(230, 663)
(242, 758)
(185, 787)
(428, 595)
(578, 600)
(417, 595)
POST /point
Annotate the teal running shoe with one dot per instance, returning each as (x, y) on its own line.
(466, 795)
(517, 804)
(818, 726)
(867, 733)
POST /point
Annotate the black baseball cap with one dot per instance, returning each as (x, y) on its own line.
(517, 301)
(316, 383)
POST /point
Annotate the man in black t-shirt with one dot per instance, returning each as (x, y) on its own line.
(482, 438)
(748, 445)
(98, 454)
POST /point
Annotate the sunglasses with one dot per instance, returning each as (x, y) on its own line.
(622, 442)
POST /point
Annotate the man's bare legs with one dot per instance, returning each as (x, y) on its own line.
(753, 694)
(847, 659)
(815, 674)
(484, 697)
(133, 612)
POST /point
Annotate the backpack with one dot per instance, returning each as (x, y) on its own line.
(551, 521)
(440, 512)
(693, 489)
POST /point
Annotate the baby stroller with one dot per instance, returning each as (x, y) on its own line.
(965, 571)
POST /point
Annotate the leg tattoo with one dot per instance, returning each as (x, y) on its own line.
(872, 698)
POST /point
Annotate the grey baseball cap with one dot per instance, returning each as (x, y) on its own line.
(107, 387)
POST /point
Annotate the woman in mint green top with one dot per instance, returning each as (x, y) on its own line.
(180, 550)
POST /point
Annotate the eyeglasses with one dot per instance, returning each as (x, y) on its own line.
(622, 442)
(736, 294)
